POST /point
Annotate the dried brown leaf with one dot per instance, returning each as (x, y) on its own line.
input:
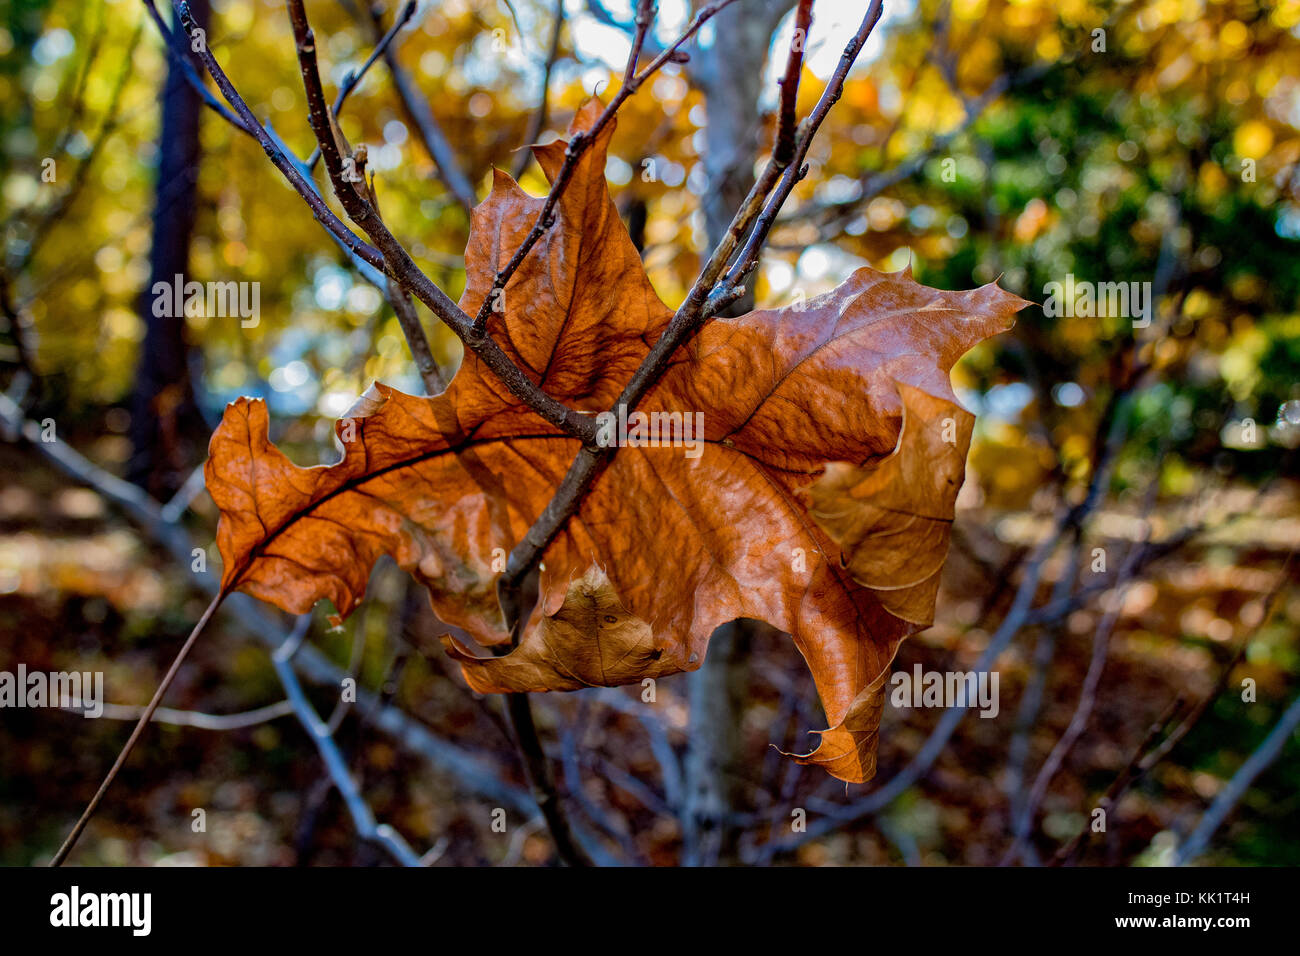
(835, 404)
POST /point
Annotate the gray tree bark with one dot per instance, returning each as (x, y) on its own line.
(730, 73)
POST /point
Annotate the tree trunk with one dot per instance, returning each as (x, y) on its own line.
(165, 421)
(730, 73)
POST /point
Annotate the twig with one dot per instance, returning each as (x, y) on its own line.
(670, 767)
(1032, 698)
(372, 274)
(902, 840)
(362, 816)
(747, 260)
(601, 14)
(569, 761)
(514, 850)
(538, 121)
(643, 793)
(343, 704)
(174, 47)
(393, 260)
(873, 184)
(1149, 753)
(55, 213)
(1259, 761)
(398, 263)
(180, 502)
(783, 150)
(417, 109)
(145, 512)
(468, 770)
(416, 339)
(193, 718)
(74, 107)
(1134, 769)
(143, 722)
(542, 781)
(19, 323)
(277, 156)
(687, 320)
(632, 82)
(177, 51)
(1083, 710)
(354, 77)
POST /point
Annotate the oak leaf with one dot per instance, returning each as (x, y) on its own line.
(817, 498)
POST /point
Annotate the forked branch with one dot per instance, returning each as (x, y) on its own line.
(700, 304)
(632, 81)
(390, 257)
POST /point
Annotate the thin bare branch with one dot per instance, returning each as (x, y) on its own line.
(163, 686)
(416, 339)
(193, 718)
(632, 82)
(393, 259)
(690, 316)
(468, 770)
(538, 122)
(1024, 821)
(175, 48)
(417, 109)
(278, 157)
(793, 170)
(1150, 752)
(1032, 698)
(687, 320)
(601, 14)
(362, 816)
(354, 77)
(542, 780)
(54, 214)
(783, 151)
(1269, 750)
(361, 210)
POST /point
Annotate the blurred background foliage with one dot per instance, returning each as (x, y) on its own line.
(1164, 149)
